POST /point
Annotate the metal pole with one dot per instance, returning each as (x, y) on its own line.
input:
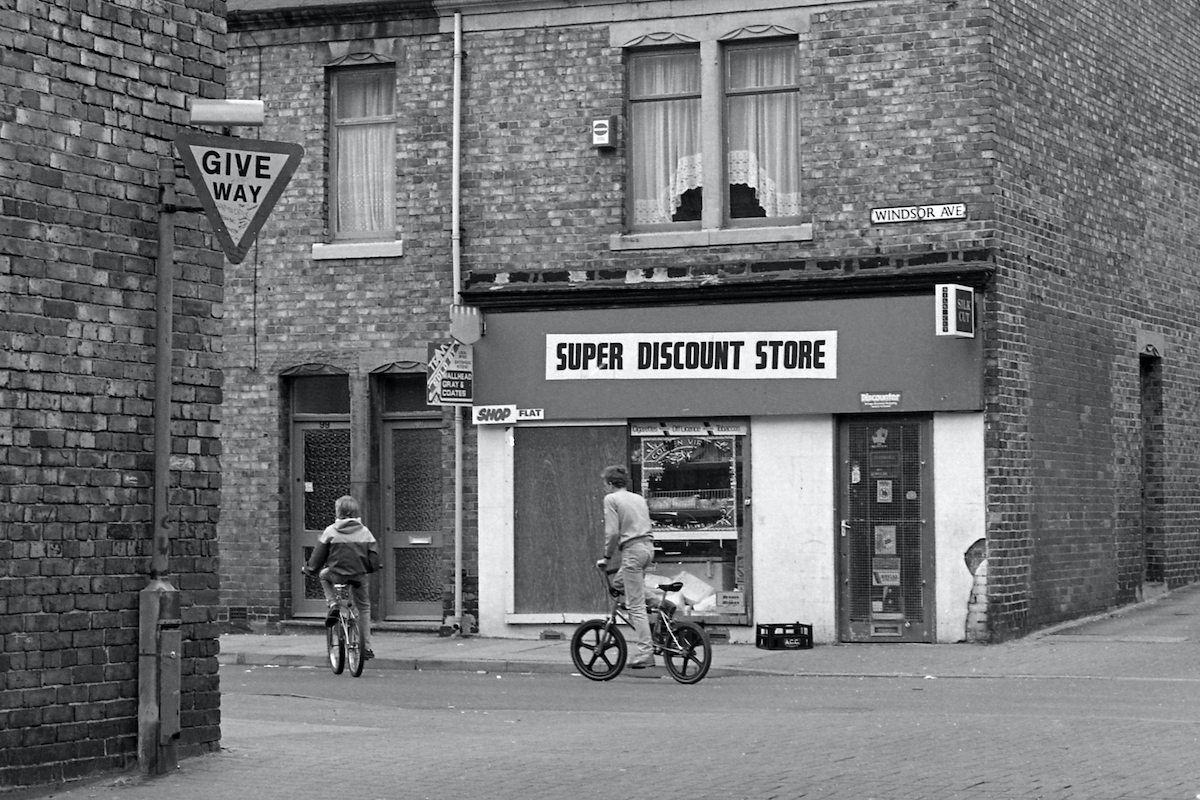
(160, 642)
(165, 279)
(456, 258)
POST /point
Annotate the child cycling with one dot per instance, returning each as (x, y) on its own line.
(346, 553)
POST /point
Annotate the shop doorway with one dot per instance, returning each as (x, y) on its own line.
(885, 538)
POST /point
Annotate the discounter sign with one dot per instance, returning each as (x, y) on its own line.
(237, 182)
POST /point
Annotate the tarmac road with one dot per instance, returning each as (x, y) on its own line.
(1102, 710)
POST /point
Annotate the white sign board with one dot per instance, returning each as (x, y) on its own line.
(673, 356)
(923, 213)
(954, 312)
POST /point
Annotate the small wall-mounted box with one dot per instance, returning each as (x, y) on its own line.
(604, 132)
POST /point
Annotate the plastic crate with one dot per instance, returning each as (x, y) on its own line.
(785, 636)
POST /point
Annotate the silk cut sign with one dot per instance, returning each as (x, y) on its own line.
(238, 182)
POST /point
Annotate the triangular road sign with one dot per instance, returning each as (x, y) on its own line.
(238, 182)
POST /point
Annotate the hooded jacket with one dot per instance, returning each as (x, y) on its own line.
(347, 548)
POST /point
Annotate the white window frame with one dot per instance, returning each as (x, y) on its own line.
(358, 244)
(712, 35)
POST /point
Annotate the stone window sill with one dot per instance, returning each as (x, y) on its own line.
(710, 238)
(328, 252)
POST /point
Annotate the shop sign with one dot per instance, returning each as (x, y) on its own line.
(923, 213)
(505, 415)
(876, 401)
(449, 377)
(955, 310)
(688, 427)
(752, 355)
(731, 602)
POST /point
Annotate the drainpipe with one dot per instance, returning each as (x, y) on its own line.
(456, 259)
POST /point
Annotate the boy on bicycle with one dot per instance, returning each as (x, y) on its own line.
(627, 532)
(346, 553)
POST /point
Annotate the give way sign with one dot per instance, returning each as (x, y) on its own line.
(237, 182)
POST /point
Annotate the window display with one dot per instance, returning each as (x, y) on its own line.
(691, 474)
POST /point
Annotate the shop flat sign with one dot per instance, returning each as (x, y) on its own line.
(505, 415)
(238, 182)
(942, 212)
(954, 311)
(449, 379)
(747, 355)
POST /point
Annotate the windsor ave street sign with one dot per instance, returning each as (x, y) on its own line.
(238, 182)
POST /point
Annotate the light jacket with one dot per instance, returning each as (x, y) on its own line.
(347, 548)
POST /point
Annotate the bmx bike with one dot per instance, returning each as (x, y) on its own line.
(599, 649)
(343, 638)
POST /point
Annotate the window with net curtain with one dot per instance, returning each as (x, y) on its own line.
(364, 153)
(762, 122)
(664, 97)
(761, 140)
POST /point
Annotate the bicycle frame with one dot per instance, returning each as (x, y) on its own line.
(599, 650)
(344, 640)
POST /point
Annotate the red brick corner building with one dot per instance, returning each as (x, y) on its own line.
(94, 94)
(888, 306)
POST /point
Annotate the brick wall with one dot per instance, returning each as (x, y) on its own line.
(284, 309)
(1098, 166)
(93, 95)
(1065, 131)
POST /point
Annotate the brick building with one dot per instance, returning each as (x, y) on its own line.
(765, 357)
(93, 95)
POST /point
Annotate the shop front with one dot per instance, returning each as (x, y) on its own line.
(811, 460)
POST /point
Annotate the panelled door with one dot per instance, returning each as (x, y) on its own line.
(320, 475)
(886, 539)
(412, 539)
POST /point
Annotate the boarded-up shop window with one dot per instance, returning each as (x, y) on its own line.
(559, 515)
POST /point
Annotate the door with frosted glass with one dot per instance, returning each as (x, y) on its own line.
(414, 571)
(320, 475)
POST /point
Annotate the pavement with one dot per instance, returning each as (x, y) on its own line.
(1158, 639)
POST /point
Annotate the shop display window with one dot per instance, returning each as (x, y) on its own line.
(692, 476)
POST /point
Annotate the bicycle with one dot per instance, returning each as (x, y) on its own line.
(343, 639)
(599, 650)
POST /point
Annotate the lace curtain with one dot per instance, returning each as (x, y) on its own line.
(365, 152)
(763, 126)
(666, 133)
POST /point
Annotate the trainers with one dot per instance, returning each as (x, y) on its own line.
(642, 662)
(331, 618)
(368, 653)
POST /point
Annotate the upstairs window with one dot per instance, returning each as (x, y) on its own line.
(667, 180)
(737, 125)
(363, 158)
(762, 123)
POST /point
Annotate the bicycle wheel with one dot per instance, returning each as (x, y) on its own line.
(354, 647)
(689, 662)
(335, 642)
(598, 650)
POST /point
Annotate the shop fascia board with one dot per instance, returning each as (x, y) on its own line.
(517, 297)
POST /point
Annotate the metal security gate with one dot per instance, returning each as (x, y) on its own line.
(885, 541)
(320, 475)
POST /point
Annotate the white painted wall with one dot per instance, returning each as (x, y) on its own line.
(794, 527)
(960, 515)
(495, 529)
